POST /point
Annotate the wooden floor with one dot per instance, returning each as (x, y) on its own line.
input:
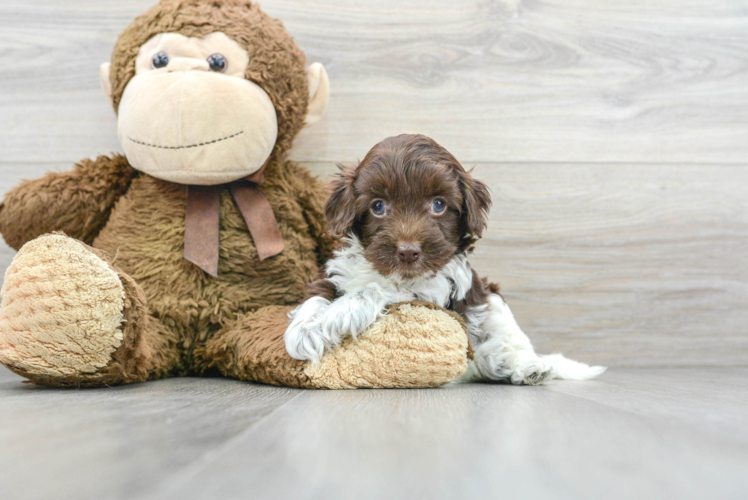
(634, 433)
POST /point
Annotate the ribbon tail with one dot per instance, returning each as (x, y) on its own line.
(201, 226)
(260, 219)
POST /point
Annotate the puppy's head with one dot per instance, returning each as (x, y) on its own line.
(411, 204)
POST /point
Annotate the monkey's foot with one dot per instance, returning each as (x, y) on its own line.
(65, 312)
(415, 345)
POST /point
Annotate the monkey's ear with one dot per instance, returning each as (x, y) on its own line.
(106, 84)
(319, 93)
(340, 209)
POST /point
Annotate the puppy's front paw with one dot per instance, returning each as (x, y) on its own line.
(319, 324)
(305, 338)
(305, 341)
(348, 316)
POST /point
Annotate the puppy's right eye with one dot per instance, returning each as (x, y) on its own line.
(378, 208)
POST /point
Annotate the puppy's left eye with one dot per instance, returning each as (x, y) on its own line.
(438, 206)
(378, 208)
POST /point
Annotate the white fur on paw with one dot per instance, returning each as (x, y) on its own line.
(305, 338)
(495, 360)
(533, 371)
(305, 342)
(347, 317)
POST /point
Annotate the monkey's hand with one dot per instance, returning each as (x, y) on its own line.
(77, 203)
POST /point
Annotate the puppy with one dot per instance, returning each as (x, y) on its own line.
(408, 217)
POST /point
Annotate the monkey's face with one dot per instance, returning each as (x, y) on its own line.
(190, 116)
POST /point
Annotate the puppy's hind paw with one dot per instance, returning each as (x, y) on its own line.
(534, 371)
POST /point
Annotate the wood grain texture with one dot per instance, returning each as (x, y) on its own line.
(488, 441)
(119, 442)
(633, 433)
(714, 401)
(503, 80)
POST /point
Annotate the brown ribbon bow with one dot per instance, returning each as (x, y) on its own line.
(202, 217)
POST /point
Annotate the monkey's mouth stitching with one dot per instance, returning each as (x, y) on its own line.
(186, 147)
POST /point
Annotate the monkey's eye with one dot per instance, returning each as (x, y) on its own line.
(438, 206)
(218, 63)
(160, 60)
(378, 208)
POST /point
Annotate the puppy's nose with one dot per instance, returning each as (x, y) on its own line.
(408, 253)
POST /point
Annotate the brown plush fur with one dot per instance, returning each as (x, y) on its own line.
(77, 203)
(252, 348)
(136, 221)
(146, 231)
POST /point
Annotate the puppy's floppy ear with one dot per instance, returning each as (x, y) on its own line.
(340, 209)
(476, 204)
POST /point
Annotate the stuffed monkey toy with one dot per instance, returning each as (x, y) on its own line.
(185, 255)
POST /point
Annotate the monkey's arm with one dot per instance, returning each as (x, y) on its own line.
(77, 202)
(313, 194)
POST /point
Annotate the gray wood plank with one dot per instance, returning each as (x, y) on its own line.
(506, 80)
(8, 376)
(117, 443)
(470, 441)
(714, 401)
(617, 264)
(652, 433)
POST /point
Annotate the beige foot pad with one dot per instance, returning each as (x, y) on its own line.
(62, 309)
(412, 346)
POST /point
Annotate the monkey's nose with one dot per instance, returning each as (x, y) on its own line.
(408, 253)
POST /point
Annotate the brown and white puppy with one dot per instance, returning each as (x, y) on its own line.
(408, 216)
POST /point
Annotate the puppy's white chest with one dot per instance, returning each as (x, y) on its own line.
(352, 273)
